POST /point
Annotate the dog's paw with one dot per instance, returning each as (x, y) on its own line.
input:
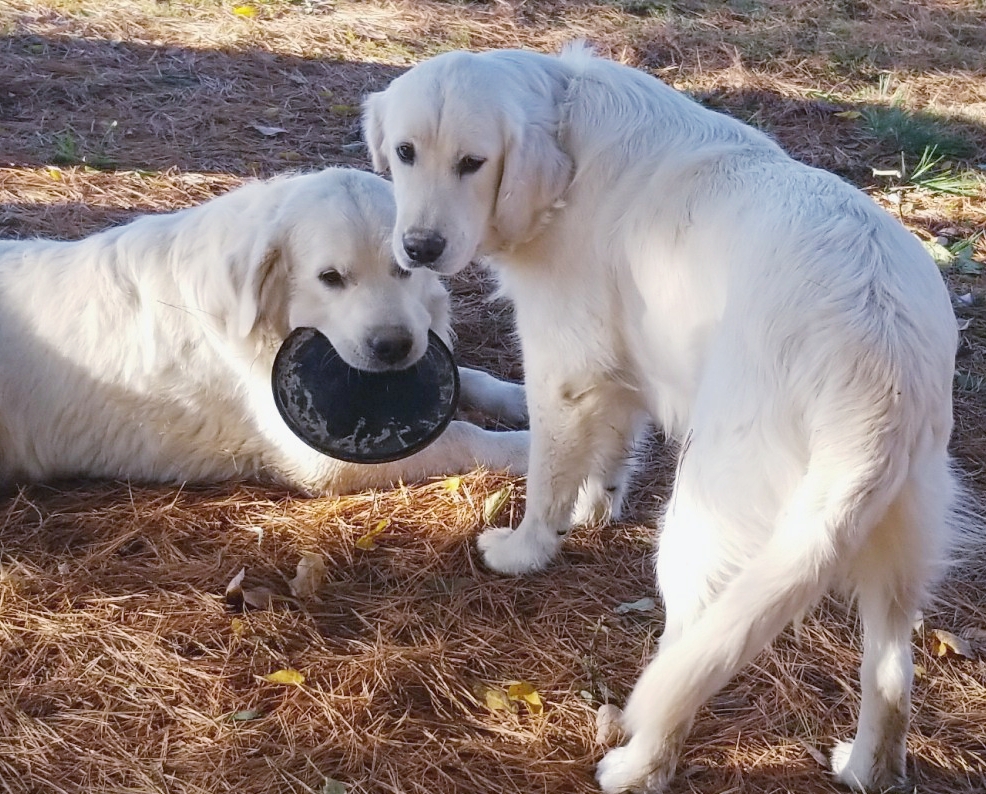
(630, 769)
(500, 400)
(858, 773)
(516, 551)
(511, 405)
(843, 768)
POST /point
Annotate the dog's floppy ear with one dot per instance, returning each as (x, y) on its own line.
(258, 284)
(536, 173)
(373, 130)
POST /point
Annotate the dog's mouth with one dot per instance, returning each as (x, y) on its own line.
(367, 359)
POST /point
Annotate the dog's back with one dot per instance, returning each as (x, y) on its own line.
(117, 352)
(98, 364)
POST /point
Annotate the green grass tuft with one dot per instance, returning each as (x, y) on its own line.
(916, 133)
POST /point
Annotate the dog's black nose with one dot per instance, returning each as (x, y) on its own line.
(423, 246)
(390, 345)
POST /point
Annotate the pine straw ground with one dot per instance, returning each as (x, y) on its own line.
(124, 668)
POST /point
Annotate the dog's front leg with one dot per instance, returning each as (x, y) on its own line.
(499, 399)
(570, 426)
(461, 448)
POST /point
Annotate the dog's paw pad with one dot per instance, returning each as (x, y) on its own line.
(491, 539)
(866, 773)
(840, 756)
(625, 770)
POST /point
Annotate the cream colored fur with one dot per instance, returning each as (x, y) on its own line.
(670, 264)
(144, 352)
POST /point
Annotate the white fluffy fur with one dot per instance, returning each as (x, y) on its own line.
(144, 352)
(669, 263)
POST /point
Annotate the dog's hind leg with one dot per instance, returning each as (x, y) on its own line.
(891, 576)
(825, 521)
(690, 565)
(603, 494)
(874, 760)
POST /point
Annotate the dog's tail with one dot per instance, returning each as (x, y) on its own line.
(965, 556)
(577, 51)
(847, 490)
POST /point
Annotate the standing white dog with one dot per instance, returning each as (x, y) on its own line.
(669, 262)
(145, 351)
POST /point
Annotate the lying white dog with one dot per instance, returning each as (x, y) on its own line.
(669, 262)
(144, 352)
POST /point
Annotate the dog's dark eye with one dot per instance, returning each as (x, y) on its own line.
(400, 272)
(332, 278)
(405, 153)
(469, 165)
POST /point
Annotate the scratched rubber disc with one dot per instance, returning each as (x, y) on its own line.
(360, 416)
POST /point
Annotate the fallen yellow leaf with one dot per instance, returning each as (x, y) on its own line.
(494, 699)
(332, 786)
(246, 715)
(245, 11)
(523, 692)
(368, 541)
(345, 110)
(286, 676)
(494, 503)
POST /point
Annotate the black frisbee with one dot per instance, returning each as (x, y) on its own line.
(360, 416)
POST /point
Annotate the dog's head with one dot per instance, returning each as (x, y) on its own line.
(472, 144)
(328, 264)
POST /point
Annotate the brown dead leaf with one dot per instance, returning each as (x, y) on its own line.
(609, 729)
(944, 643)
(239, 597)
(309, 576)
